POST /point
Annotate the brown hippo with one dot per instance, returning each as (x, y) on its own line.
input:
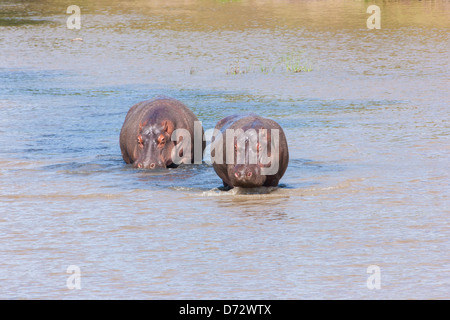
(249, 151)
(159, 133)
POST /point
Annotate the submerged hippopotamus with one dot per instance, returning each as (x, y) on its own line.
(159, 133)
(249, 151)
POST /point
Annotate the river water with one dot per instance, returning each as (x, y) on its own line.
(367, 123)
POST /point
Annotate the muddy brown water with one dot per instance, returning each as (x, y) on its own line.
(367, 122)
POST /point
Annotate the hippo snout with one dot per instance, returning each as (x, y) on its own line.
(243, 175)
(149, 165)
(248, 176)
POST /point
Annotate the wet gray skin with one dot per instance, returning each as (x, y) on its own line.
(253, 156)
(146, 136)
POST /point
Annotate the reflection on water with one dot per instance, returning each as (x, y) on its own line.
(258, 205)
(367, 183)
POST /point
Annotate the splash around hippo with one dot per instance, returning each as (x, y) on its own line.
(249, 151)
(159, 133)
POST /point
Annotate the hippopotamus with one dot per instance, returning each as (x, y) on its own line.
(159, 133)
(249, 151)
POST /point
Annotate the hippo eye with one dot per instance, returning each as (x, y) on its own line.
(140, 141)
(161, 140)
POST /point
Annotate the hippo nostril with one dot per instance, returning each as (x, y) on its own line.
(249, 174)
(139, 165)
(237, 175)
(152, 165)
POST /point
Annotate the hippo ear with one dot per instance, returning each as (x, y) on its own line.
(168, 127)
(142, 125)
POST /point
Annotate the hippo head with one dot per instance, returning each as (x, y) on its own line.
(246, 175)
(154, 145)
(250, 159)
